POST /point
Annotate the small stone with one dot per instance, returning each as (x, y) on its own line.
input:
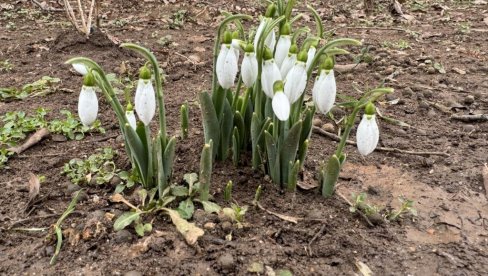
(72, 188)
(431, 113)
(49, 250)
(469, 99)
(431, 70)
(317, 122)
(469, 128)
(58, 138)
(226, 226)
(116, 180)
(209, 225)
(123, 236)
(338, 112)
(390, 97)
(389, 70)
(97, 215)
(226, 261)
(423, 105)
(407, 92)
(82, 196)
(199, 215)
(120, 139)
(328, 127)
(421, 132)
(133, 273)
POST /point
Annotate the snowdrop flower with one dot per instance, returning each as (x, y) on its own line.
(280, 103)
(80, 68)
(270, 74)
(249, 66)
(227, 66)
(324, 89)
(88, 102)
(296, 79)
(236, 44)
(289, 61)
(283, 46)
(270, 40)
(311, 54)
(145, 99)
(368, 133)
(131, 117)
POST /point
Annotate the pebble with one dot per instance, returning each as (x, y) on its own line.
(226, 261)
(59, 138)
(431, 70)
(469, 99)
(317, 122)
(226, 226)
(338, 112)
(209, 225)
(389, 70)
(328, 127)
(123, 236)
(49, 250)
(72, 188)
(423, 105)
(407, 92)
(431, 113)
(116, 180)
(133, 273)
(120, 139)
(97, 215)
(469, 128)
(421, 131)
(199, 215)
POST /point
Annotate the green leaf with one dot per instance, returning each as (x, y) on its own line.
(179, 191)
(227, 124)
(330, 175)
(288, 150)
(186, 208)
(210, 207)
(139, 229)
(211, 124)
(125, 219)
(190, 178)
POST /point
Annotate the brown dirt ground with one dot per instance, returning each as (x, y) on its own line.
(449, 236)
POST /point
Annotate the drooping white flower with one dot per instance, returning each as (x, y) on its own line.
(282, 49)
(288, 63)
(80, 68)
(87, 105)
(281, 106)
(226, 66)
(270, 40)
(131, 118)
(295, 81)
(145, 101)
(311, 54)
(236, 47)
(269, 75)
(368, 134)
(324, 91)
(249, 69)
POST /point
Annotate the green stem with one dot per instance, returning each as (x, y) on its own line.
(350, 123)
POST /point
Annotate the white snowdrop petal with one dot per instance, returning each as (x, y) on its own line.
(368, 135)
(249, 69)
(288, 63)
(236, 47)
(80, 68)
(269, 75)
(87, 106)
(295, 82)
(270, 41)
(145, 101)
(282, 48)
(131, 118)
(226, 66)
(259, 30)
(310, 56)
(324, 91)
(281, 106)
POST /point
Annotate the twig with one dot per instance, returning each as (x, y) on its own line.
(34, 139)
(283, 217)
(336, 138)
(38, 218)
(101, 139)
(470, 118)
(319, 233)
(374, 28)
(42, 155)
(357, 210)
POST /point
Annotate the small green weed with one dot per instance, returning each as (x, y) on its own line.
(178, 19)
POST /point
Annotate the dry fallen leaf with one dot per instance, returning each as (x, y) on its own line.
(485, 178)
(34, 185)
(187, 229)
(364, 269)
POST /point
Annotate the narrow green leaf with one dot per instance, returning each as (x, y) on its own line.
(168, 159)
(211, 124)
(125, 220)
(226, 131)
(288, 150)
(329, 176)
(138, 152)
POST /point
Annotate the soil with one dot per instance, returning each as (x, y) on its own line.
(449, 236)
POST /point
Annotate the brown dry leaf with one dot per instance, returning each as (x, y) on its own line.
(199, 38)
(117, 198)
(199, 49)
(140, 248)
(187, 229)
(363, 269)
(34, 185)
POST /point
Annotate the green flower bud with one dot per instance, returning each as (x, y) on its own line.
(285, 29)
(235, 35)
(89, 79)
(267, 54)
(327, 63)
(144, 73)
(227, 38)
(370, 109)
(278, 86)
(129, 107)
(293, 49)
(303, 56)
(249, 48)
(271, 10)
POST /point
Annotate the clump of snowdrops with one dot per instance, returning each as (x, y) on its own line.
(151, 155)
(258, 104)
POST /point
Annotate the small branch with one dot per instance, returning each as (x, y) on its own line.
(336, 138)
(38, 218)
(470, 118)
(34, 139)
(45, 7)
